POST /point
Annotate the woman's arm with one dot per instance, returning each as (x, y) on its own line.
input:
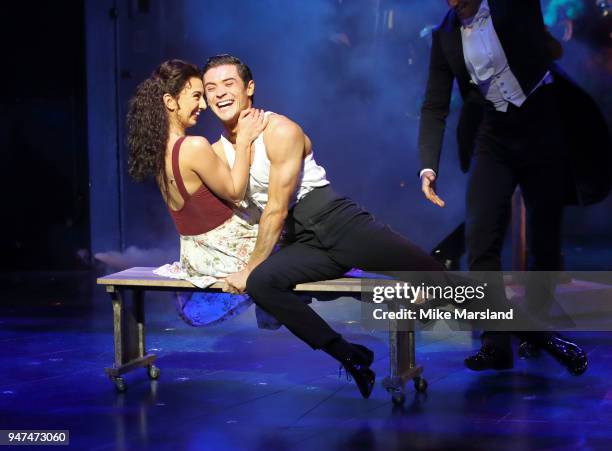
(229, 184)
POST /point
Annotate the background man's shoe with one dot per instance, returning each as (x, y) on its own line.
(490, 358)
(567, 354)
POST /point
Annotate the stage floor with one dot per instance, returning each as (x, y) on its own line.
(233, 386)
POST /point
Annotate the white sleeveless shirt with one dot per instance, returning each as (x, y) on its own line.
(311, 176)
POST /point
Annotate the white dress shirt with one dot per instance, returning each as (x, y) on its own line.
(486, 61)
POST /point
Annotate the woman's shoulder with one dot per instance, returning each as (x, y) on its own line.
(195, 146)
(196, 142)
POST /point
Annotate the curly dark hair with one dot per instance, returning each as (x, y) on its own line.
(147, 120)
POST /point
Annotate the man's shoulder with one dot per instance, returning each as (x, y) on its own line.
(218, 144)
(447, 22)
(279, 121)
(281, 127)
(283, 138)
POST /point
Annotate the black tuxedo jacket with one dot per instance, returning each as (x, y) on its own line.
(529, 49)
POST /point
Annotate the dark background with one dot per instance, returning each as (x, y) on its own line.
(43, 133)
(351, 73)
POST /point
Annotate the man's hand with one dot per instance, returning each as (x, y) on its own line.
(236, 283)
(428, 186)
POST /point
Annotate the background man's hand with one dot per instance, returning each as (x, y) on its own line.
(428, 186)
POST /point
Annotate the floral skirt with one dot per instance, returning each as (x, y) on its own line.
(204, 259)
(212, 255)
(218, 253)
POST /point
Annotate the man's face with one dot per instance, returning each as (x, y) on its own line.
(190, 102)
(226, 93)
(464, 8)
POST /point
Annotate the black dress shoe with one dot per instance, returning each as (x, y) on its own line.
(490, 358)
(367, 355)
(566, 353)
(357, 367)
(356, 360)
(363, 376)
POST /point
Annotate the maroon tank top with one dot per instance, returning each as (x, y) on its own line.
(202, 211)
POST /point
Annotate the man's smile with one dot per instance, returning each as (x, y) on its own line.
(224, 104)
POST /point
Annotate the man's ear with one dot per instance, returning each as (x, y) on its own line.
(250, 88)
(170, 102)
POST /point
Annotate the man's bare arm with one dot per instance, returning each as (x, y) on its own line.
(284, 141)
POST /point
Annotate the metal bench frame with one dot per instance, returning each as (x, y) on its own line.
(129, 327)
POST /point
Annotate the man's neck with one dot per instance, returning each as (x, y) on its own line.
(469, 20)
(230, 130)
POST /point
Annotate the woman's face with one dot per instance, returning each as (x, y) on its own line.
(190, 103)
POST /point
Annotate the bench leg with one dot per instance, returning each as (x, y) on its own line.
(403, 367)
(129, 337)
(152, 370)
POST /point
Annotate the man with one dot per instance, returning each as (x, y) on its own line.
(515, 105)
(328, 233)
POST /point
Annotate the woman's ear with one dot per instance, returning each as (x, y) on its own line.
(170, 102)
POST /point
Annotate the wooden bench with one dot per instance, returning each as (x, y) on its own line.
(129, 326)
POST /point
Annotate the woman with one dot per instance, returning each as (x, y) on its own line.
(197, 185)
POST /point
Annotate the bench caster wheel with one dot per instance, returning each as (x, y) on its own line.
(420, 384)
(394, 385)
(153, 372)
(120, 384)
(398, 399)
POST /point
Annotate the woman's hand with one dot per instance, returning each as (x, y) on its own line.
(251, 123)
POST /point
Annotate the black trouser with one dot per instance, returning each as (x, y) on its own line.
(329, 235)
(525, 147)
